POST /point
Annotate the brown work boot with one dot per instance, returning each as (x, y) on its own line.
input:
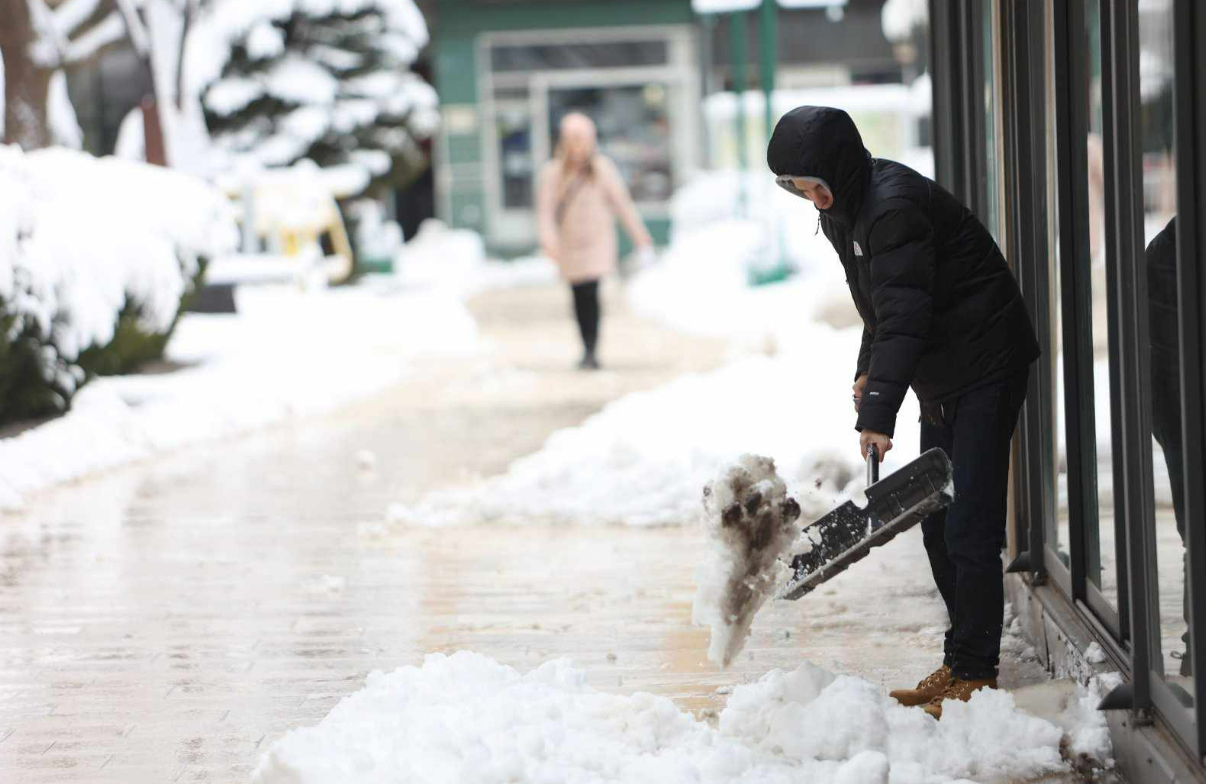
(930, 687)
(958, 689)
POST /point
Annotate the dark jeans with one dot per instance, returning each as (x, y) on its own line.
(964, 540)
(586, 310)
(1166, 428)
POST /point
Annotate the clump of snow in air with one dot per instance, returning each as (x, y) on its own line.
(750, 521)
(466, 717)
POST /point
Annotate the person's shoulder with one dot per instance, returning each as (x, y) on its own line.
(896, 189)
(892, 178)
(604, 165)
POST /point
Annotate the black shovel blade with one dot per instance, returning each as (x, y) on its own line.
(847, 535)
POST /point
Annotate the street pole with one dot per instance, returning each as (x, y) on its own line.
(769, 34)
(737, 30)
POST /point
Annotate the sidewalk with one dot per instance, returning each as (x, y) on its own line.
(164, 622)
(172, 621)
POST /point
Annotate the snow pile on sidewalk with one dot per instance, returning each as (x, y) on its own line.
(466, 717)
(454, 260)
(83, 238)
(750, 521)
(702, 283)
(285, 354)
(643, 459)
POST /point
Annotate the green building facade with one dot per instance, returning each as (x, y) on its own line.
(507, 71)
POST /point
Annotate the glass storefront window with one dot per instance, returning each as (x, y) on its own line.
(992, 174)
(602, 54)
(1156, 46)
(636, 84)
(1103, 545)
(513, 125)
(1056, 533)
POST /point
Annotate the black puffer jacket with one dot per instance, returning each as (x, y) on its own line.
(940, 308)
(1161, 258)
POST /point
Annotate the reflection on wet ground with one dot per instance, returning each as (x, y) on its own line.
(165, 622)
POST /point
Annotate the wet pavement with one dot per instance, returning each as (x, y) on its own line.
(168, 621)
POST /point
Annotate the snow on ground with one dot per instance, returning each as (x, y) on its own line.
(454, 260)
(466, 717)
(644, 459)
(285, 354)
(702, 282)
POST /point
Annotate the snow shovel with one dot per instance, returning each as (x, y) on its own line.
(894, 505)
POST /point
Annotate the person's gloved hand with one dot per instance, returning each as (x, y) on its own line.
(645, 256)
(882, 443)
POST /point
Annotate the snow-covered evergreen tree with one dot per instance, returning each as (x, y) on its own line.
(326, 80)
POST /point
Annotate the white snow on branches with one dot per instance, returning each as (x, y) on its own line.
(84, 236)
(901, 17)
(346, 75)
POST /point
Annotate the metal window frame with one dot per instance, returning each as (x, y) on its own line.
(1084, 521)
(1190, 142)
(1025, 176)
(1151, 690)
(958, 73)
(1124, 246)
(1130, 632)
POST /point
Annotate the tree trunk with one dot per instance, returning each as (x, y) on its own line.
(26, 84)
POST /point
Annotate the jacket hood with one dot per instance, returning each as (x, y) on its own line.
(818, 141)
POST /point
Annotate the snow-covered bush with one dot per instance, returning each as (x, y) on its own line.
(317, 79)
(96, 256)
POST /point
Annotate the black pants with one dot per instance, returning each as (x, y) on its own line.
(1166, 428)
(964, 541)
(586, 309)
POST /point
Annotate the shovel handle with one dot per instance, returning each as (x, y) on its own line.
(872, 465)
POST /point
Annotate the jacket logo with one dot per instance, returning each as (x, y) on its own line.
(858, 251)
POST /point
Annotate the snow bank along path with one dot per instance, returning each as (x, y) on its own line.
(285, 354)
(643, 459)
(466, 718)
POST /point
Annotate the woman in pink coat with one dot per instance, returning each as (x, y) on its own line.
(579, 197)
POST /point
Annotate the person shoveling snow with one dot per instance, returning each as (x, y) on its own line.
(943, 314)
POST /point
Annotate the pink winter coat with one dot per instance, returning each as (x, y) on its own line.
(584, 242)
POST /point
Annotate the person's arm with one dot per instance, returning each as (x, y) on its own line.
(546, 206)
(621, 202)
(902, 282)
(864, 354)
